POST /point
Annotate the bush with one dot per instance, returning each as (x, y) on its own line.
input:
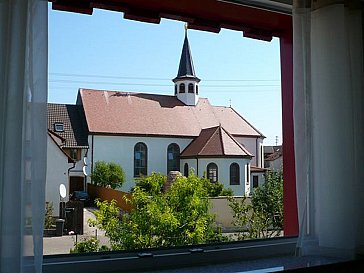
(263, 217)
(48, 219)
(178, 217)
(108, 174)
(88, 245)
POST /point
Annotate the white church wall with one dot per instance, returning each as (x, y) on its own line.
(120, 149)
(254, 146)
(223, 165)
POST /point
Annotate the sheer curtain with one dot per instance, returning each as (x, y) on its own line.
(23, 98)
(328, 117)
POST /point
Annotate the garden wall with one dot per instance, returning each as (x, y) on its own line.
(108, 194)
(223, 213)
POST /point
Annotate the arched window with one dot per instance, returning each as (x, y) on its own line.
(185, 170)
(175, 89)
(234, 174)
(212, 172)
(196, 89)
(190, 88)
(173, 157)
(182, 88)
(140, 159)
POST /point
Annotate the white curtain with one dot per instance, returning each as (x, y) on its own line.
(328, 118)
(23, 119)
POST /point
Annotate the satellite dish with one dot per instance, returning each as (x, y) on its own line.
(84, 171)
(62, 190)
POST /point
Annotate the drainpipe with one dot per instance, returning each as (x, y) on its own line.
(92, 157)
(69, 170)
(197, 165)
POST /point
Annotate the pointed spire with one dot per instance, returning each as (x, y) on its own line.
(186, 68)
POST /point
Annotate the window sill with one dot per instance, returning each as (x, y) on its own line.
(169, 258)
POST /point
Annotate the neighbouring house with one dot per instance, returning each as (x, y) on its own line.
(147, 133)
(58, 163)
(273, 157)
(257, 177)
(66, 122)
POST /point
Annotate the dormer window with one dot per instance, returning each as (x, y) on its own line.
(190, 88)
(58, 127)
(182, 88)
(196, 89)
(175, 89)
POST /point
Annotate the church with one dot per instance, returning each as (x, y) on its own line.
(147, 133)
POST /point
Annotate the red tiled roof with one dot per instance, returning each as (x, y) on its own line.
(215, 141)
(75, 133)
(112, 112)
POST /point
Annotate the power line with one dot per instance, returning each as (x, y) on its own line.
(153, 84)
(151, 78)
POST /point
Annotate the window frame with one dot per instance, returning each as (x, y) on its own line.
(182, 88)
(191, 90)
(177, 159)
(137, 169)
(291, 224)
(235, 182)
(209, 170)
(186, 170)
(58, 127)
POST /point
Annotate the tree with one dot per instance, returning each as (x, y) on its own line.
(108, 174)
(263, 216)
(177, 217)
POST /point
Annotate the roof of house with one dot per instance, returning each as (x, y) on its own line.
(274, 156)
(255, 169)
(58, 140)
(74, 133)
(127, 113)
(271, 149)
(215, 141)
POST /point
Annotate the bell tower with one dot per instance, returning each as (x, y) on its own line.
(186, 82)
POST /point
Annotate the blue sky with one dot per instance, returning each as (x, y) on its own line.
(105, 51)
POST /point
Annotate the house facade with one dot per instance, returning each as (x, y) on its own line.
(67, 124)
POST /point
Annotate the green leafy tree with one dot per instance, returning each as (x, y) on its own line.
(262, 216)
(88, 245)
(108, 174)
(177, 217)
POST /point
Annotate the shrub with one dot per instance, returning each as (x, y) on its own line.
(108, 174)
(48, 219)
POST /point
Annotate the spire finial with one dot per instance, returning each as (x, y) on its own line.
(186, 28)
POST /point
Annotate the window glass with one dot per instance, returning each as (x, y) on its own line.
(234, 174)
(255, 181)
(173, 152)
(140, 159)
(185, 170)
(190, 88)
(182, 88)
(212, 172)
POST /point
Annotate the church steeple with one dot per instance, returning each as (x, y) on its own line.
(186, 82)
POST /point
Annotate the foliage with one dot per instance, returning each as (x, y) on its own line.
(152, 184)
(88, 245)
(108, 174)
(177, 217)
(263, 216)
(216, 188)
(48, 219)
